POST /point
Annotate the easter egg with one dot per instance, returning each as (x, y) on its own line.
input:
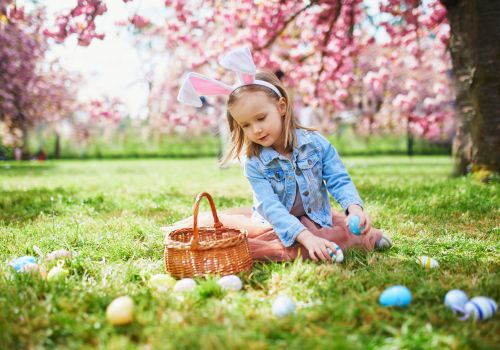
(185, 285)
(161, 282)
(480, 308)
(456, 299)
(57, 273)
(353, 224)
(31, 268)
(395, 296)
(427, 262)
(121, 311)
(59, 254)
(283, 306)
(338, 256)
(230, 282)
(19, 263)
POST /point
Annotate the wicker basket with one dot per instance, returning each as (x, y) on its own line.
(200, 251)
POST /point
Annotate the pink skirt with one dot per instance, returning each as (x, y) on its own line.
(266, 246)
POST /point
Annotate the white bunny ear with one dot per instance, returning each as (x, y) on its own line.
(240, 61)
(196, 85)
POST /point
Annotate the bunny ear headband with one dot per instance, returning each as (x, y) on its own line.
(238, 60)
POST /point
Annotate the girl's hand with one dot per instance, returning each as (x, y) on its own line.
(364, 220)
(316, 246)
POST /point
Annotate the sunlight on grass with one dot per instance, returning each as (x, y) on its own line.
(109, 213)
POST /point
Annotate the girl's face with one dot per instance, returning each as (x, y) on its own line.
(261, 118)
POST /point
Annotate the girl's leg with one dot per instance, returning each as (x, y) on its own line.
(265, 245)
(340, 233)
(262, 240)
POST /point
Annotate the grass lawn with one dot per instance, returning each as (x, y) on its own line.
(109, 213)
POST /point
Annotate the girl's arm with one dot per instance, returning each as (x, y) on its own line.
(287, 226)
(269, 206)
(337, 179)
(339, 184)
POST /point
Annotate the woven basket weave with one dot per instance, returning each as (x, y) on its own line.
(201, 251)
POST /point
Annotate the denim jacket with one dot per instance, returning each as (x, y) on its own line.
(315, 167)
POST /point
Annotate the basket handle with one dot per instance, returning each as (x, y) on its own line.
(217, 224)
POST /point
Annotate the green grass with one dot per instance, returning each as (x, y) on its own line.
(110, 212)
(130, 143)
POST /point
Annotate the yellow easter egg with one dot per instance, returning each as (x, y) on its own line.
(120, 311)
(427, 262)
(56, 273)
(161, 282)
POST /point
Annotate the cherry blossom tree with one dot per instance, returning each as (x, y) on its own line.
(475, 48)
(316, 44)
(32, 90)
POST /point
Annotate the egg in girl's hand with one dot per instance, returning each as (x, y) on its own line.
(395, 296)
(283, 306)
(353, 224)
(427, 262)
(121, 311)
(338, 256)
(57, 272)
(161, 282)
(456, 299)
(230, 282)
(185, 285)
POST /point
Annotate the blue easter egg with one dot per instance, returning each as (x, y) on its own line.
(354, 225)
(480, 308)
(19, 263)
(395, 296)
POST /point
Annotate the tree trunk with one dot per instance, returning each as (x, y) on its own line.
(57, 147)
(475, 53)
(409, 139)
(25, 146)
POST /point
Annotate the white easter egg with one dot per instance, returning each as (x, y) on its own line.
(456, 299)
(338, 256)
(33, 267)
(56, 273)
(121, 311)
(427, 262)
(230, 282)
(283, 306)
(161, 282)
(480, 308)
(185, 285)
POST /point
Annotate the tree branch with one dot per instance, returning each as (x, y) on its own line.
(282, 29)
(326, 40)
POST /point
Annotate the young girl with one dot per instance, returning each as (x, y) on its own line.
(290, 169)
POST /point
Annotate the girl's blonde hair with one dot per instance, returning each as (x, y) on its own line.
(239, 141)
